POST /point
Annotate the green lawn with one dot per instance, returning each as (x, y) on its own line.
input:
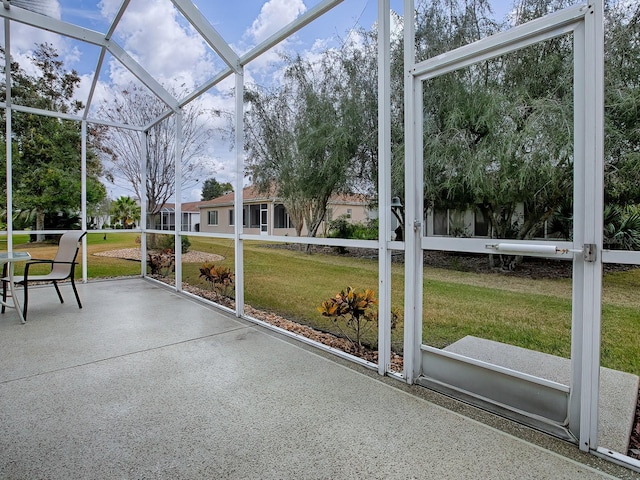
(531, 313)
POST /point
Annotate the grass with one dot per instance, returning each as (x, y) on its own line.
(530, 313)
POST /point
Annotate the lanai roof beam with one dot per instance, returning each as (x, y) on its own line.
(90, 36)
(285, 32)
(116, 20)
(210, 34)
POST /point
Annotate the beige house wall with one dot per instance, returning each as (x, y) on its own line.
(357, 213)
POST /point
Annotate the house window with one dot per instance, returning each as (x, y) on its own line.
(282, 219)
(264, 218)
(329, 214)
(349, 212)
(167, 220)
(254, 216)
(231, 218)
(440, 222)
(480, 225)
(213, 217)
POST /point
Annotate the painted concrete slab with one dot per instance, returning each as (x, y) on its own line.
(149, 384)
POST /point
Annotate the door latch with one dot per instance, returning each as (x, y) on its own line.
(589, 252)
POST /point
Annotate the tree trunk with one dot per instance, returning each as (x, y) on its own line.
(40, 225)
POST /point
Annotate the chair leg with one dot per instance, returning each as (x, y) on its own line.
(26, 301)
(4, 287)
(73, 285)
(4, 295)
(55, 284)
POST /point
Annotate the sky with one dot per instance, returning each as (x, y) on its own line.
(155, 34)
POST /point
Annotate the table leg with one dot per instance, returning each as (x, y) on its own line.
(14, 297)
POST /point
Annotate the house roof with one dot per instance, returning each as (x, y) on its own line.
(186, 207)
(251, 194)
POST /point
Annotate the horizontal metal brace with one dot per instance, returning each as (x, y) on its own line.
(588, 250)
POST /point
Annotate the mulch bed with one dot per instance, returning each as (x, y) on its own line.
(325, 338)
(531, 267)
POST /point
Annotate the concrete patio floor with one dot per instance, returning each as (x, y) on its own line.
(146, 383)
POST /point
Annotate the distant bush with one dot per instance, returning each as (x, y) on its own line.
(341, 227)
(164, 242)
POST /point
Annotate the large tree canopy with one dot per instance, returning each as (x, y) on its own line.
(211, 189)
(622, 103)
(304, 137)
(498, 136)
(46, 150)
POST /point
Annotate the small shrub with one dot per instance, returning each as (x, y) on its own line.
(352, 311)
(340, 228)
(220, 278)
(162, 263)
(185, 244)
(621, 227)
(167, 242)
(365, 231)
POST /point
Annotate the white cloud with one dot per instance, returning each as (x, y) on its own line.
(194, 195)
(109, 8)
(274, 15)
(169, 49)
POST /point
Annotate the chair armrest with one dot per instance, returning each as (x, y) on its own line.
(44, 261)
(37, 261)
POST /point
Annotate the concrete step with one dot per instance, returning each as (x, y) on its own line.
(618, 390)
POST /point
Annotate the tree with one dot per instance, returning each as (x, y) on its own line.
(498, 135)
(98, 215)
(122, 149)
(126, 211)
(622, 97)
(211, 189)
(302, 139)
(47, 150)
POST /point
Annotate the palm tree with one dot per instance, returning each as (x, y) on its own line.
(126, 211)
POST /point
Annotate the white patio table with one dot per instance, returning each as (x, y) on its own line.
(9, 259)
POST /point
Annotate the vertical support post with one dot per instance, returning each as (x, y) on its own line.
(8, 134)
(83, 195)
(238, 197)
(178, 202)
(272, 218)
(577, 297)
(143, 202)
(413, 199)
(588, 225)
(384, 186)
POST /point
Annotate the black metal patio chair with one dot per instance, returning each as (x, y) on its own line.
(62, 268)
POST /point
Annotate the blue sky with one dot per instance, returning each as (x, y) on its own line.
(158, 37)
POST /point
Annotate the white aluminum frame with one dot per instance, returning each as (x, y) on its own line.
(384, 186)
(586, 24)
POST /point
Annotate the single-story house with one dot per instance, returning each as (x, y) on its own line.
(190, 216)
(265, 214)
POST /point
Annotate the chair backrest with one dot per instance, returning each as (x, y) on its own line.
(67, 251)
